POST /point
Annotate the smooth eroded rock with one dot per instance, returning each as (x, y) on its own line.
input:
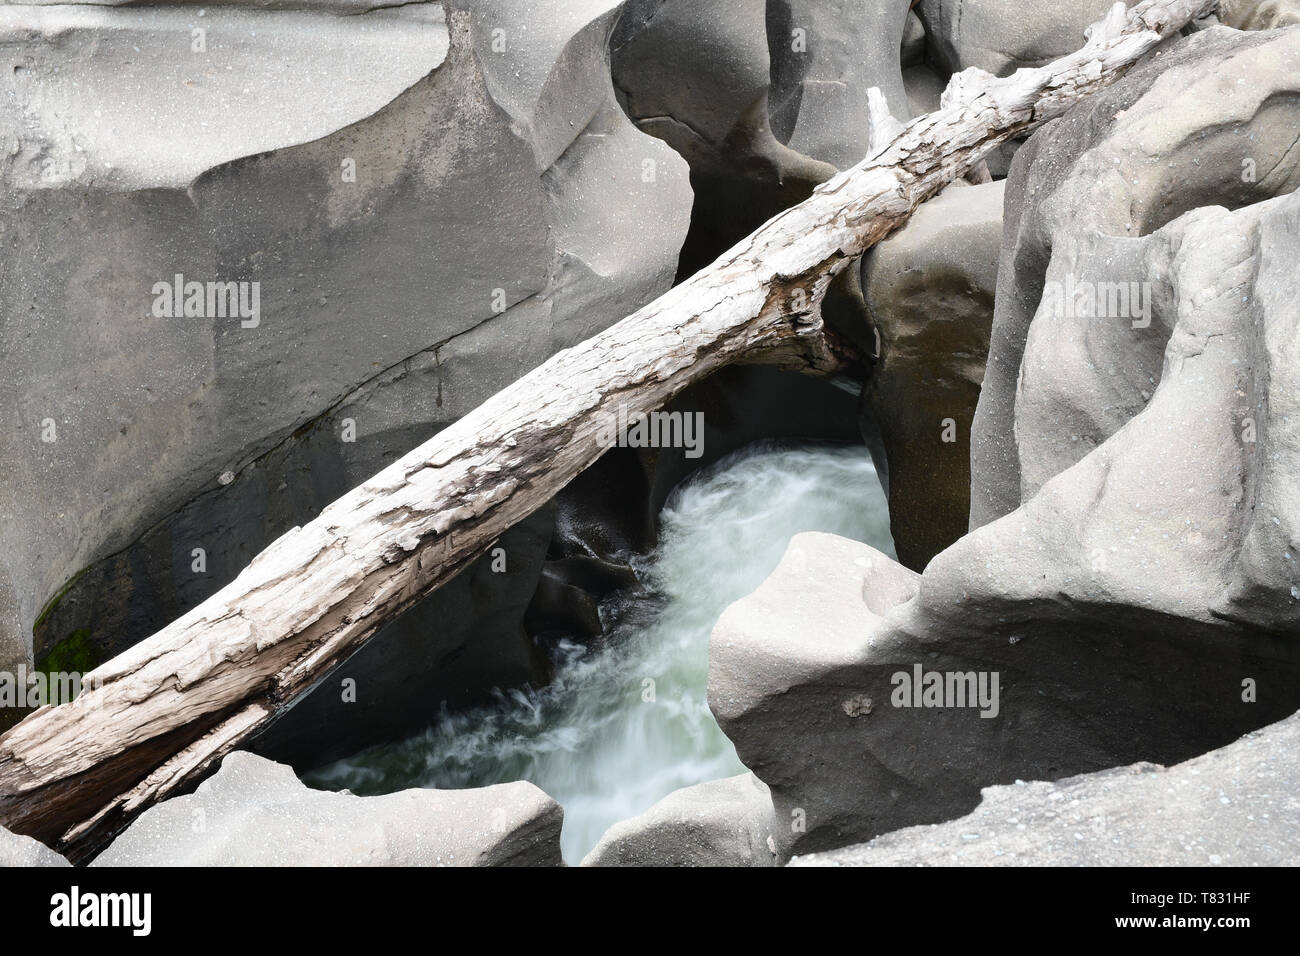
(1001, 36)
(929, 289)
(1259, 14)
(826, 55)
(422, 219)
(1208, 122)
(19, 850)
(719, 823)
(1235, 806)
(254, 812)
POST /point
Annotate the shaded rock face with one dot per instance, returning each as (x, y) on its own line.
(749, 403)
(447, 652)
(1139, 600)
(719, 823)
(763, 98)
(1235, 806)
(825, 55)
(929, 290)
(707, 80)
(698, 77)
(924, 87)
(601, 525)
(257, 813)
(1079, 202)
(423, 219)
(912, 52)
(1000, 36)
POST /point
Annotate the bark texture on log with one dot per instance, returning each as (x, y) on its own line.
(160, 715)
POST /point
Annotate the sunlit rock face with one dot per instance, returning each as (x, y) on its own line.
(253, 812)
(1208, 123)
(719, 823)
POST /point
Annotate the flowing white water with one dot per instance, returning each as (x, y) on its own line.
(625, 724)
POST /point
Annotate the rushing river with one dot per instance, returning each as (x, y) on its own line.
(624, 725)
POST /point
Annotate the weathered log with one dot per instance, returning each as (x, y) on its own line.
(158, 716)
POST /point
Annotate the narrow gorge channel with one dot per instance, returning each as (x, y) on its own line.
(626, 722)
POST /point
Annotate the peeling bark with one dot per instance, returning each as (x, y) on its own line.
(161, 714)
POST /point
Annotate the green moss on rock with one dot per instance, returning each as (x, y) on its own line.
(75, 653)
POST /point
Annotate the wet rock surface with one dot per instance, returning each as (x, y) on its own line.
(929, 290)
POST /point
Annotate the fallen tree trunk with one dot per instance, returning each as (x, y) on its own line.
(158, 716)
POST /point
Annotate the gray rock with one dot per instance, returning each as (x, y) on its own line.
(701, 81)
(1001, 36)
(719, 823)
(1235, 806)
(1079, 201)
(347, 6)
(257, 813)
(804, 672)
(103, 179)
(1143, 588)
(502, 208)
(912, 52)
(825, 55)
(929, 289)
(1131, 607)
(1259, 14)
(787, 685)
(19, 850)
(552, 77)
(764, 98)
(924, 88)
(619, 199)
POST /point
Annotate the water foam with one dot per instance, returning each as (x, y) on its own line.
(602, 739)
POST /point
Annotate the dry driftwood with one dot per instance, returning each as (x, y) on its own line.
(161, 714)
